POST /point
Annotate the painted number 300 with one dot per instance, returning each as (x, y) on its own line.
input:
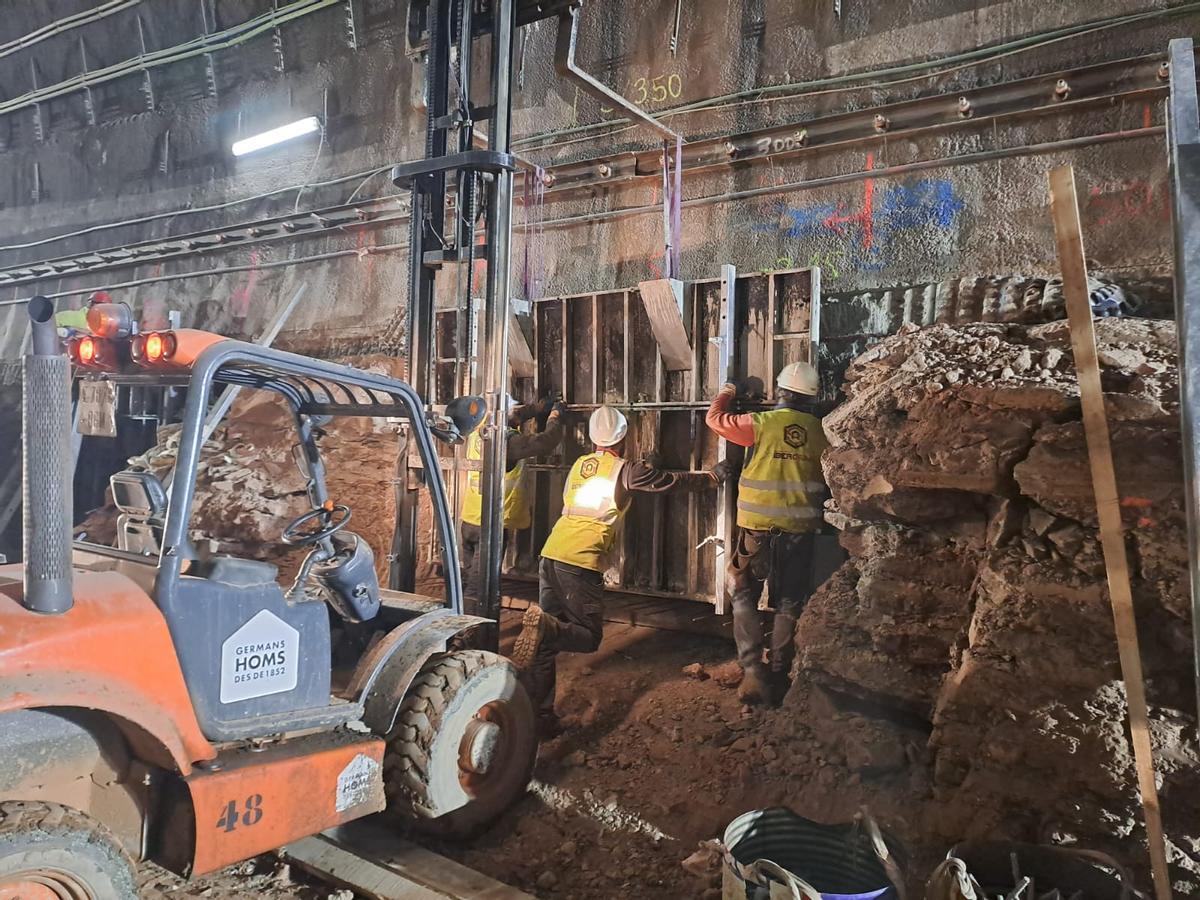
(231, 817)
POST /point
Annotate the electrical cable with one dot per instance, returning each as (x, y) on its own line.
(656, 209)
(220, 40)
(1010, 48)
(64, 25)
(155, 217)
(841, 83)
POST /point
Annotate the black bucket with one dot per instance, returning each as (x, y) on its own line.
(774, 853)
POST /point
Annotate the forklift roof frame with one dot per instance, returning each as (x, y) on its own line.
(310, 387)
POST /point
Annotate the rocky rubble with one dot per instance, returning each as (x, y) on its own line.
(973, 607)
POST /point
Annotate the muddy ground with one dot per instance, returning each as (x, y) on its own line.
(654, 761)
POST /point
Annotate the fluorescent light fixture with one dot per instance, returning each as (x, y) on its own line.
(277, 136)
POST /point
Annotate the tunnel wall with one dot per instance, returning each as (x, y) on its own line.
(879, 231)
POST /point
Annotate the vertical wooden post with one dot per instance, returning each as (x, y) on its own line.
(1064, 208)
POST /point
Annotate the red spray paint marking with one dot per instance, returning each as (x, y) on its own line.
(364, 240)
(239, 301)
(865, 216)
(1147, 117)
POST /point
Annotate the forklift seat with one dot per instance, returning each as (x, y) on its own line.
(141, 501)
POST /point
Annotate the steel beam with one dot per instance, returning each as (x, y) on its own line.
(1183, 143)
(495, 321)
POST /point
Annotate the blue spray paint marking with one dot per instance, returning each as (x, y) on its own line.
(872, 230)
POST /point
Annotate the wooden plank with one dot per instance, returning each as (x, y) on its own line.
(663, 300)
(369, 859)
(520, 355)
(1064, 209)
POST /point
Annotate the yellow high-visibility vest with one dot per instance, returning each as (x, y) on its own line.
(517, 513)
(782, 486)
(585, 532)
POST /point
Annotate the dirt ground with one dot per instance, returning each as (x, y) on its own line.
(654, 761)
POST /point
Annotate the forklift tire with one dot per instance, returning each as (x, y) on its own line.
(51, 851)
(464, 744)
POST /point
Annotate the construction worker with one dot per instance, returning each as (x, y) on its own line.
(596, 497)
(780, 498)
(520, 447)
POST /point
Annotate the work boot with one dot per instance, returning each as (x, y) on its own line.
(755, 689)
(536, 626)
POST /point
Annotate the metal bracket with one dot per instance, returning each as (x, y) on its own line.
(404, 174)
(565, 65)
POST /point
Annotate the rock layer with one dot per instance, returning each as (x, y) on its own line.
(974, 597)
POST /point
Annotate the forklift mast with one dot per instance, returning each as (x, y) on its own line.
(443, 32)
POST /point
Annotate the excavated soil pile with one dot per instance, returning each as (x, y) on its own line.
(969, 637)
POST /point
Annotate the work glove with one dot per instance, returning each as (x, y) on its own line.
(558, 409)
(722, 471)
(653, 459)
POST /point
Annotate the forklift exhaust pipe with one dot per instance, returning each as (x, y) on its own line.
(48, 492)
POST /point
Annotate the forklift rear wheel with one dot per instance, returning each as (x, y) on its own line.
(464, 744)
(52, 852)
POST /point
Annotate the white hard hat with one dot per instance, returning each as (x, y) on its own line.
(607, 426)
(800, 378)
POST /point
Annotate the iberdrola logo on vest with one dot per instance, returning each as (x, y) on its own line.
(795, 436)
(589, 468)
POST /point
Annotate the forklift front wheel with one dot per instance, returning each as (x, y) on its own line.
(49, 852)
(464, 744)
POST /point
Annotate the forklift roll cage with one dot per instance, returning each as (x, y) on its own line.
(310, 387)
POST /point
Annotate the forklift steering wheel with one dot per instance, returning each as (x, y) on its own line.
(294, 536)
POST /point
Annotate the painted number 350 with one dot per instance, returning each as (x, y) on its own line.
(231, 816)
(658, 88)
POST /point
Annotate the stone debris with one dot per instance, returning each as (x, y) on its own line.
(973, 609)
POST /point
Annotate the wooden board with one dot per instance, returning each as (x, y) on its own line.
(1065, 211)
(520, 356)
(663, 300)
(370, 860)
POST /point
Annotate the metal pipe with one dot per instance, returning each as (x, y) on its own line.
(1122, 82)
(495, 314)
(966, 159)
(565, 65)
(48, 494)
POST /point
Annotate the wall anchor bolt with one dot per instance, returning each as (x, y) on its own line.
(604, 170)
(1164, 72)
(882, 123)
(964, 108)
(1062, 90)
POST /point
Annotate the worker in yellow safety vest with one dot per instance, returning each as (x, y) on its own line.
(517, 499)
(781, 493)
(596, 497)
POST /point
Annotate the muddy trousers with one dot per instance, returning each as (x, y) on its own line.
(472, 559)
(572, 595)
(784, 562)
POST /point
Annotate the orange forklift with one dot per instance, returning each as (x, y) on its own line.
(159, 704)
